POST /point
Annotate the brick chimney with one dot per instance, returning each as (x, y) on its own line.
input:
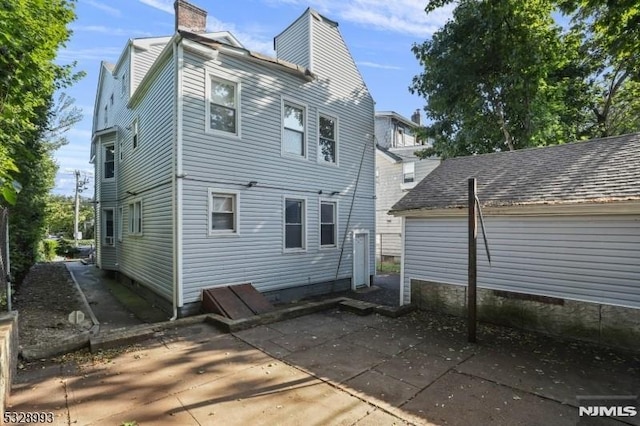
(189, 17)
(415, 117)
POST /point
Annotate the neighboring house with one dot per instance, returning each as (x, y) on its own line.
(397, 171)
(216, 165)
(563, 228)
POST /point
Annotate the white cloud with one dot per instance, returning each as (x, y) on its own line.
(400, 16)
(105, 8)
(376, 65)
(110, 30)
(163, 5)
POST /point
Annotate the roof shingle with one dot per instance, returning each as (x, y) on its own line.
(598, 170)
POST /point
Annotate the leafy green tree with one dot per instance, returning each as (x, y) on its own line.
(61, 212)
(496, 78)
(31, 32)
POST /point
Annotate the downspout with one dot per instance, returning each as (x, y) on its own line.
(402, 259)
(8, 268)
(176, 187)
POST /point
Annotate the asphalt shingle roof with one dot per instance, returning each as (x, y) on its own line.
(598, 170)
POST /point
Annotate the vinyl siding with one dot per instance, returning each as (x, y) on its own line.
(145, 176)
(388, 192)
(293, 43)
(143, 59)
(591, 259)
(215, 161)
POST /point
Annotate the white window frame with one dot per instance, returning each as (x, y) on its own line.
(335, 224)
(412, 172)
(305, 126)
(108, 240)
(104, 161)
(286, 249)
(123, 84)
(135, 134)
(336, 135)
(235, 82)
(236, 212)
(120, 223)
(136, 223)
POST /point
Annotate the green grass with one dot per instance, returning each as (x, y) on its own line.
(388, 267)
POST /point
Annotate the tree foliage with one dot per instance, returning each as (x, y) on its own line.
(504, 75)
(61, 216)
(31, 122)
(31, 32)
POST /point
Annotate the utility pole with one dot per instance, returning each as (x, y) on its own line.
(80, 186)
(77, 212)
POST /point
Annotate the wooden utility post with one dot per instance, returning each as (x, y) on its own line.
(471, 285)
(77, 209)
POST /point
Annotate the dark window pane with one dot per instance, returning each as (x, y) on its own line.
(326, 212)
(223, 118)
(221, 221)
(327, 235)
(327, 128)
(328, 150)
(293, 236)
(108, 214)
(293, 212)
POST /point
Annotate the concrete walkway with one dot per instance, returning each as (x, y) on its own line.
(332, 368)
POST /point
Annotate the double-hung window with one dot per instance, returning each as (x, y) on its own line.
(293, 130)
(135, 218)
(328, 226)
(107, 229)
(134, 133)
(223, 213)
(223, 106)
(327, 143)
(120, 223)
(294, 219)
(408, 172)
(109, 161)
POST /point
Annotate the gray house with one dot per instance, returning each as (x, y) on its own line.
(216, 165)
(563, 225)
(397, 171)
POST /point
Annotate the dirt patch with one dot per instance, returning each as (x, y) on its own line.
(44, 301)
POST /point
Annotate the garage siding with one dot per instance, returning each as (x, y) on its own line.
(583, 258)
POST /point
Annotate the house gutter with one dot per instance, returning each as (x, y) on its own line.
(177, 181)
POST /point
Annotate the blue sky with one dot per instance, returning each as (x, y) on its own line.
(379, 34)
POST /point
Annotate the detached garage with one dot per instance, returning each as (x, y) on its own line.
(563, 224)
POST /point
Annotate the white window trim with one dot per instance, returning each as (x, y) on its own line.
(405, 186)
(335, 222)
(120, 221)
(336, 136)
(135, 131)
(236, 213)
(132, 225)
(304, 224)
(123, 84)
(103, 159)
(207, 108)
(305, 107)
(104, 236)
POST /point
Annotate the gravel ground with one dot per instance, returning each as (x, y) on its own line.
(44, 301)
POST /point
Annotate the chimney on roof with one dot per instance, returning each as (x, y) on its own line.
(189, 17)
(415, 117)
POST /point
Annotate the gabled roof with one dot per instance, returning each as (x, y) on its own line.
(399, 117)
(289, 67)
(596, 171)
(385, 151)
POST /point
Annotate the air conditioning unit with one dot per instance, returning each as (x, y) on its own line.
(108, 241)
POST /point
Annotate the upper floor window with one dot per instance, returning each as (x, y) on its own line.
(223, 213)
(106, 115)
(408, 172)
(123, 84)
(293, 130)
(134, 133)
(327, 145)
(109, 161)
(223, 106)
(111, 99)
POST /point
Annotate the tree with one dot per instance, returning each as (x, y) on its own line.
(31, 32)
(60, 215)
(496, 78)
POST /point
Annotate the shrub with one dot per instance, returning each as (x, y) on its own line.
(66, 249)
(48, 250)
